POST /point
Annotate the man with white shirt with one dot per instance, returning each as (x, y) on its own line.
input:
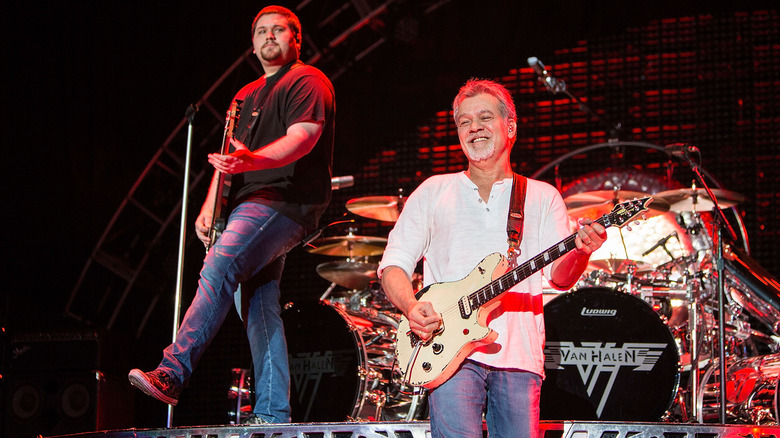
(453, 221)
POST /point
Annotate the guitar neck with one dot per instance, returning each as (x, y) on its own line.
(514, 276)
(223, 180)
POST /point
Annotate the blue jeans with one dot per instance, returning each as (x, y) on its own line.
(243, 267)
(509, 398)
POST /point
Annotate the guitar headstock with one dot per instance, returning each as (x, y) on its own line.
(627, 211)
(231, 119)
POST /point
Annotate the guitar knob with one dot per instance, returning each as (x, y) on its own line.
(437, 348)
(426, 366)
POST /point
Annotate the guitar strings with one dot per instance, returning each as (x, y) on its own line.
(524, 270)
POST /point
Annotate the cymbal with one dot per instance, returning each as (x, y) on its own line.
(383, 208)
(597, 203)
(619, 266)
(350, 245)
(352, 275)
(698, 199)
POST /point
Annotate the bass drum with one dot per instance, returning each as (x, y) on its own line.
(341, 365)
(608, 356)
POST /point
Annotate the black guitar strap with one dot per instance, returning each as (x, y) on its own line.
(514, 222)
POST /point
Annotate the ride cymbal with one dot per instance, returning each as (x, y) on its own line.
(351, 275)
(349, 246)
(383, 208)
(698, 199)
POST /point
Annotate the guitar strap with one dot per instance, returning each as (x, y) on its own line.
(514, 222)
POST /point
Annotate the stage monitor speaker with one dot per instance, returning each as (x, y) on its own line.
(66, 402)
(57, 384)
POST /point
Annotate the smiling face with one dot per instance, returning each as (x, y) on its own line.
(274, 41)
(483, 131)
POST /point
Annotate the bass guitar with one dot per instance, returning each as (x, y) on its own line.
(220, 208)
(465, 304)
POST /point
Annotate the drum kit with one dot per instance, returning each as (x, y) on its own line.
(651, 354)
(342, 348)
(635, 340)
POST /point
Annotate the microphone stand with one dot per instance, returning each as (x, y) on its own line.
(557, 86)
(190, 114)
(721, 223)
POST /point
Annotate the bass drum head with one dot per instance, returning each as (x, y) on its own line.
(608, 356)
(325, 356)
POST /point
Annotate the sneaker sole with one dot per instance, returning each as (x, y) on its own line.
(138, 380)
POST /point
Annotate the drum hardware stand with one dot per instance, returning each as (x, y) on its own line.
(630, 272)
(693, 324)
(241, 391)
(314, 236)
(631, 268)
(721, 222)
(328, 291)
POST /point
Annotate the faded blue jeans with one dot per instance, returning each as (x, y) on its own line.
(244, 267)
(509, 398)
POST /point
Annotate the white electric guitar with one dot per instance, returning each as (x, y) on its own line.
(465, 304)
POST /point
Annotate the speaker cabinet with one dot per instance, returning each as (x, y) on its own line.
(55, 385)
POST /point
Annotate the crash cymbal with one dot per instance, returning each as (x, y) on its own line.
(383, 208)
(352, 275)
(597, 203)
(619, 266)
(349, 246)
(698, 199)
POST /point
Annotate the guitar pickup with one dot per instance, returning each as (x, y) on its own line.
(465, 307)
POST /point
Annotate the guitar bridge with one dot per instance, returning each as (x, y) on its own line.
(414, 340)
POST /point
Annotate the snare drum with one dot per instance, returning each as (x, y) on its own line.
(341, 365)
(608, 356)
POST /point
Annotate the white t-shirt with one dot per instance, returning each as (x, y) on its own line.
(446, 223)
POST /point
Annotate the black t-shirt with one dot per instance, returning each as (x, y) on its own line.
(300, 190)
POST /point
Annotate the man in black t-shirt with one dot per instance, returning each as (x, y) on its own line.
(280, 162)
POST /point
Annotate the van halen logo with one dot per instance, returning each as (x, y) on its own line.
(308, 368)
(592, 359)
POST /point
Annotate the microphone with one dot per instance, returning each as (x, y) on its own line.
(680, 149)
(552, 84)
(660, 243)
(340, 182)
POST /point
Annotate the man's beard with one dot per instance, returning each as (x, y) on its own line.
(270, 52)
(480, 153)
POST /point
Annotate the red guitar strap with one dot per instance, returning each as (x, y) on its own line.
(514, 222)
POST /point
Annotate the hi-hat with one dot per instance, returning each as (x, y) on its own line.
(619, 266)
(352, 275)
(383, 208)
(698, 199)
(597, 203)
(349, 246)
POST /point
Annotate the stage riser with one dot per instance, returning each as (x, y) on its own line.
(422, 430)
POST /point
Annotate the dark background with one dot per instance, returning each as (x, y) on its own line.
(91, 90)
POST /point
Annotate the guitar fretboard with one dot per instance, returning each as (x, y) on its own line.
(500, 285)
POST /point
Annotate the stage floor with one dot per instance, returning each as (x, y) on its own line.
(421, 429)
